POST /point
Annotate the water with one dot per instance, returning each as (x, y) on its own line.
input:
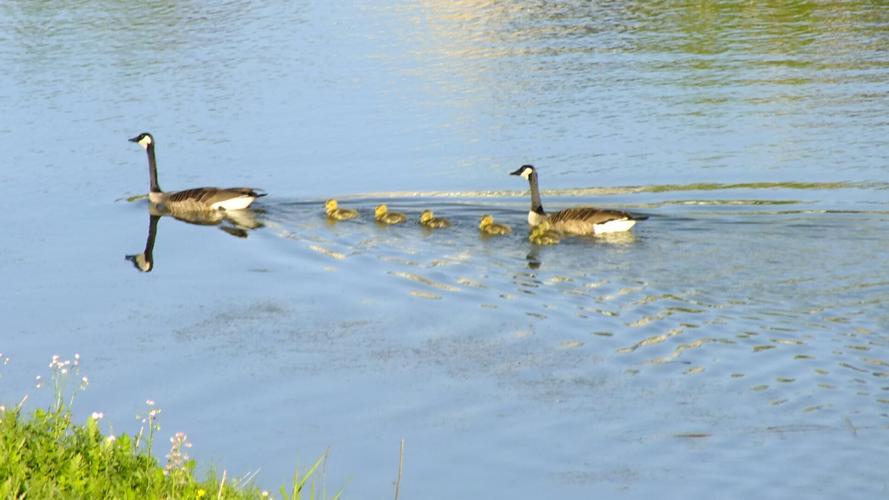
(736, 342)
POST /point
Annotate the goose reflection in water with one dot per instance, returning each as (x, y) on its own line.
(234, 222)
(613, 239)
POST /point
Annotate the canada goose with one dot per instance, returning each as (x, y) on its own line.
(487, 226)
(195, 199)
(336, 213)
(579, 220)
(543, 234)
(427, 219)
(382, 214)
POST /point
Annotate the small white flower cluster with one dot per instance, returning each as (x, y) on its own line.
(153, 413)
(177, 457)
(97, 415)
(151, 420)
(62, 366)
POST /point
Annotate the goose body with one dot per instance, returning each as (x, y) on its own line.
(383, 215)
(487, 226)
(427, 219)
(336, 213)
(576, 221)
(544, 234)
(195, 199)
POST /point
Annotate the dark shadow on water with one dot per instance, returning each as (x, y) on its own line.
(236, 223)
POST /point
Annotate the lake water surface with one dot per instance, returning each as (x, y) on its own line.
(735, 344)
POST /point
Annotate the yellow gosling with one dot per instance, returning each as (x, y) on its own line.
(336, 213)
(432, 222)
(383, 215)
(487, 226)
(542, 234)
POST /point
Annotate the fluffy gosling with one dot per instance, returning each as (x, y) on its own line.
(383, 215)
(432, 222)
(543, 234)
(336, 213)
(487, 226)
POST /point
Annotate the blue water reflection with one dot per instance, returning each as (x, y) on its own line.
(734, 343)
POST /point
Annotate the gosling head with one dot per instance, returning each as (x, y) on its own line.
(144, 139)
(425, 216)
(486, 220)
(381, 210)
(330, 206)
(524, 171)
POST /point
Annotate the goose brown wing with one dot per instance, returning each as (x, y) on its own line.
(210, 195)
(588, 214)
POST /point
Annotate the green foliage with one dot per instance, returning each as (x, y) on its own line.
(47, 456)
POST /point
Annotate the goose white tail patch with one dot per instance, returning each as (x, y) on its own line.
(239, 203)
(614, 226)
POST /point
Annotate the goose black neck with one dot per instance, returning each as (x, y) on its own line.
(536, 206)
(152, 169)
(152, 234)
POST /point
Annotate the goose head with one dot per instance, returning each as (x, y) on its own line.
(330, 206)
(426, 216)
(524, 171)
(381, 210)
(144, 139)
(141, 262)
(486, 220)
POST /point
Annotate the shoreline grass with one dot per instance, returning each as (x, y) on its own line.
(45, 454)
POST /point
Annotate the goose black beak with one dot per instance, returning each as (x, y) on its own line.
(517, 172)
(134, 139)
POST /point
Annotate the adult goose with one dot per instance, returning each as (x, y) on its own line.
(578, 220)
(195, 199)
